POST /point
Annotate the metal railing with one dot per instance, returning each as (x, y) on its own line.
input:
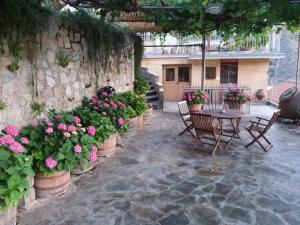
(217, 94)
(277, 87)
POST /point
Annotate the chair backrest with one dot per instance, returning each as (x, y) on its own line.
(202, 122)
(273, 120)
(183, 108)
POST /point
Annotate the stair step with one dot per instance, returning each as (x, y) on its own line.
(153, 92)
(152, 99)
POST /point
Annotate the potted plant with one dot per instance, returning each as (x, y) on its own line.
(53, 147)
(132, 121)
(141, 85)
(148, 114)
(105, 130)
(16, 168)
(195, 100)
(236, 99)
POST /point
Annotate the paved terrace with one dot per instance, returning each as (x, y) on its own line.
(157, 179)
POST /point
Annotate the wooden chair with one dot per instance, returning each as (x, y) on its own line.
(205, 129)
(260, 128)
(186, 117)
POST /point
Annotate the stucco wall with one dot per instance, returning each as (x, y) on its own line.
(251, 72)
(46, 81)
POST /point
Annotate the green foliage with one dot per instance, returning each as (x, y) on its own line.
(3, 105)
(21, 21)
(37, 108)
(137, 102)
(103, 125)
(63, 59)
(104, 39)
(15, 168)
(130, 112)
(141, 85)
(138, 53)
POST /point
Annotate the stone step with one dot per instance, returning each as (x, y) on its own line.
(152, 98)
(152, 92)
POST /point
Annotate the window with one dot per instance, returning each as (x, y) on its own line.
(211, 73)
(183, 74)
(170, 74)
(229, 73)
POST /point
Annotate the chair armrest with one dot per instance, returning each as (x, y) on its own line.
(258, 123)
(185, 114)
(262, 118)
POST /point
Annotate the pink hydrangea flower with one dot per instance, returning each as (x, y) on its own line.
(6, 139)
(34, 123)
(77, 149)
(105, 105)
(62, 126)
(71, 128)
(49, 130)
(104, 113)
(49, 123)
(76, 119)
(50, 162)
(93, 154)
(24, 141)
(115, 106)
(57, 116)
(91, 130)
(104, 93)
(11, 130)
(121, 121)
(67, 135)
(16, 147)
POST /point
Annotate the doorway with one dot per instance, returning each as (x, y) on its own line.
(175, 78)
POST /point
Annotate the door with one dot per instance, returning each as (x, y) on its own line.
(174, 80)
(229, 73)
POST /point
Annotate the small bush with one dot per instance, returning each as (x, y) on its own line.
(141, 85)
(63, 59)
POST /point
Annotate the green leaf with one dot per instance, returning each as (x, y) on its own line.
(4, 155)
(14, 196)
(14, 181)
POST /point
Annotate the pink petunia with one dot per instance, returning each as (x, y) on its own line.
(62, 126)
(49, 130)
(71, 128)
(24, 141)
(77, 149)
(76, 119)
(16, 147)
(91, 130)
(121, 121)
(50, 162)
(11, 130)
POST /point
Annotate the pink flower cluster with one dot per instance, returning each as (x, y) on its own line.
(93, 154)
(121, 121)
(121, 104)
(11, 130)
(62, 126)
(16, 147)
(24, 141)
(50, 162)
(77, 149)
(198, 97)
(71, 128)
(76, 120)
(49, 130)
(91, 130)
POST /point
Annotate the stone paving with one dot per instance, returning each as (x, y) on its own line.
(156, 178)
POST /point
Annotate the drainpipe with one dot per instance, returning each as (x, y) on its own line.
(297, 71)
(203, 61)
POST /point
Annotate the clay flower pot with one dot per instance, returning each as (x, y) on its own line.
(78, 170)
(28, 200)
(147, 116)
(8, 216)
(236, 106)
(108, 148)
(140, 121)
(132, 128)
(53, 185)
(195, 107)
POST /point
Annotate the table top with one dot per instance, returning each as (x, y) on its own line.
(227, 114)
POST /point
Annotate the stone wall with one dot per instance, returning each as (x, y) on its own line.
(47, 81)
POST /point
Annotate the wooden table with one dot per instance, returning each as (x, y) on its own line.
(234, 116)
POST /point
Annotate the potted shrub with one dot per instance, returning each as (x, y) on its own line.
(141, 85)
(236, 99)
(148, 114)
(16, 168)
(105, 130)
(53, 145)
(195, 100)
(132, 121)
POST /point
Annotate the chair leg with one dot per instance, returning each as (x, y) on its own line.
(256, 139)
(252, 142)
(266, 139)
(217, 140)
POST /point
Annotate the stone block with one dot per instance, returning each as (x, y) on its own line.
(59, 91)
(67, 42)
(73, 75)
(68, 90)
(63, 78)
(77, 37)
(6, 76)
(51, 56)
(50, 81)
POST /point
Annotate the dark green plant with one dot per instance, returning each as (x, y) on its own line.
(38, 108)
(137, 102)
(13, 67)
(141, 85)
(3, 105)
(63, 58)
(130, 112)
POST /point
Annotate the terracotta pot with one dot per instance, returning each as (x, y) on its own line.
(237, 106)
(260, 94)
(147, 116)
(140, 121)
(78, 170)
(108, 148)
(8, 216)
(132, 128)
(195, 107)
(53, 185)
(28, 201)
